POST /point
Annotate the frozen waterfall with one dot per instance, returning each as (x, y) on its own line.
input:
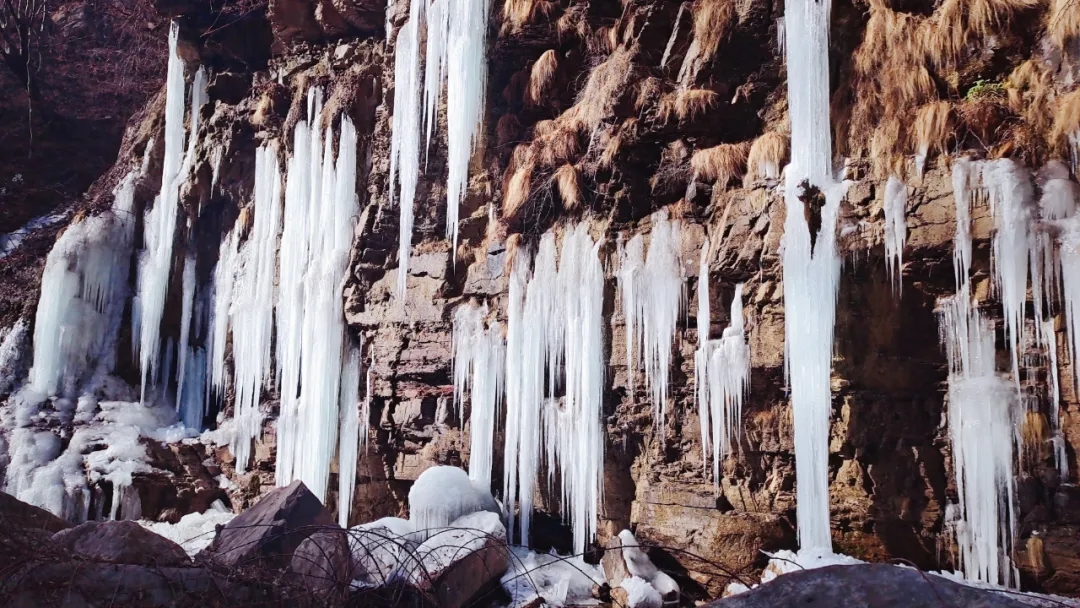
(895, 229)
(479, 365)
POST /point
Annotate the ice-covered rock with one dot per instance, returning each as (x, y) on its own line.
(443, 494)
(195, 531)
(377, 549)
(556, 580)
(456, 563)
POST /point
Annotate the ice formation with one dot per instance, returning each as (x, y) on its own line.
(195, 531)
(479, 355)
(653, 296)
(313, 342)
(84, 288)
(455, 35)
(558, 580)
(641, 567)
(640, 594)
(353, 433)
(441, 495)
(981, 423)
(159, 229)
(555, 330)
(965, 181)
(895, 229)
(811, 271)
(723, 374)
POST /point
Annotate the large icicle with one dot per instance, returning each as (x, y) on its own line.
(727, 383)
(455, 35)
(895, 229)
(653, 296)
(83, 290)
(965, 181)
(811, 262)
(701, 355)
(555, 329)
(155, 262)
(353, 433)
(252, 312)
(981, 407)
(479, 353)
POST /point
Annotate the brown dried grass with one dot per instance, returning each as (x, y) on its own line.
(573, 22)
(513, 247)
(514, 91)
(559, 146)
(541, 78)
(517, 191)
(1066, 120)
(983, 118)
(887, 147)
(713, 22)
(686, 104)
(602, 91)
(1063, 22)
(771, 149)
(507, 130)
(649, 92)
(934, 124)
(1034, 433)
(568, 182)
(519, 13)
(721, 164)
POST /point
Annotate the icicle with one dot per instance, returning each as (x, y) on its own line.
(224, 277)
(252, 312)
(353, 427)
(965, 179)
(981, 406)
(674, 36)
(555, 325)
(656, 292)
(405, 139)
(1070, 276)
(187, 304)
(83, 290)
(701, 356)
(895, 229)
(1011, 198)
(727, 382)
(479, 352)
(811, 262)
(1049, 338)
(155, 261)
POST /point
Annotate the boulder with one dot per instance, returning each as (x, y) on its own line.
(120, 542)
(14, 512)
(324, 563)
(269, 532)
(377, 547)
(613, 564)
(878, 585)
(460, 562)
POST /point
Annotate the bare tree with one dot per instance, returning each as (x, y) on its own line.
(22, 27)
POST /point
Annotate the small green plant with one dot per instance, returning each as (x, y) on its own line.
(983, 89)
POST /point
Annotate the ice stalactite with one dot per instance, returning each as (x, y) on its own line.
(1011, 198)
(727, 380)
(223, 282)
(84, 288)
(895, 229)
(653, 297)
(701, 355)
(187, 305)
(981, 429)
(966, 178)
(1057, 203)
(455, 37)
(155, 263)
(251, 315)
(1069, 240)
(555, 329)
(479, 365)
(811, 263)
(312, 438)
(353, 433)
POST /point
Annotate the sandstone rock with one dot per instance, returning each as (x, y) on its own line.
(120, 542)
(614, 566)
(458, 563)
(324, 563)
(377, 547)
(14, 512)
(878, 585)
(270, 531)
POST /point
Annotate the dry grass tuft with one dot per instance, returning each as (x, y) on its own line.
(768, 154)
(517, 191)
(507, 130)
(1034, 434)
(541, 78)
(713, 21)
(519, 13)
(513, 247)
(569, 183)
(721, 164)
(934, 124)
(1067, 123)
(544, 128)
(514, 91)
(1036, 554)
(686, 104)
(1063, 22)
(602, 91)
(573, 22)
(648, 93)
(887, 147)
(613, 142)
(983, 118)
(559, 146)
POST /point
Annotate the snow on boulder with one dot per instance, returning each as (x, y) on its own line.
(120, 542)
(637, 564)
(377, 548)
(457, 563)
(640, 594)
(443, 494)
(195, 531)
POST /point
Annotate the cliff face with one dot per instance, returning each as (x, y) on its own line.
(650, 105)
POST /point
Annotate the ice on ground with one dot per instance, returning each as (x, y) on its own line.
(558, 580)
(640, 594)
(195, 531)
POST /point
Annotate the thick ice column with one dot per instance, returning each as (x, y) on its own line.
(701, 355)
(83, 290)
(405, 137)
(728, 383)
(811, 263)
(479, 352)
(519, 456)
(353, 427)
(155, 261)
